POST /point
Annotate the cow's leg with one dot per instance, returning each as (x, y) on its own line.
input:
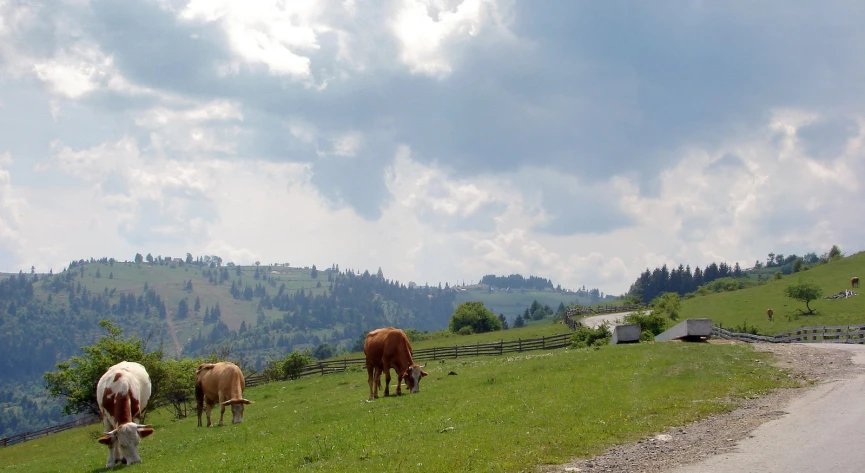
(221, 410)
(373, 390)
(208, 408)
(386, 381)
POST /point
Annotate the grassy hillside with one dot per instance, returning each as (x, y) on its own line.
(749, 305)
(506, 413)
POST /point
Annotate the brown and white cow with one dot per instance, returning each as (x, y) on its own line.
(770, 313)
(122, 395)
(387, 348)
(854, 281)
(223, 383)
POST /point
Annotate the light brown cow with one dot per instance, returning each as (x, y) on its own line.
(223, 383)
(122, 395)
(769, 314)
(387, 348)
(854, 281)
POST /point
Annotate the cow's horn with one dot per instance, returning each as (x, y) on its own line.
(144, 426)
(246, 401)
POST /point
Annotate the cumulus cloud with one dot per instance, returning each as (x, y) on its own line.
(439, 139)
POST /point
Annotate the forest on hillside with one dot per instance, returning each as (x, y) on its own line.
(681, 280)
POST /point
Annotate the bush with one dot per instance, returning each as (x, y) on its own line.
(466, 330)
(288, 367)
(668, 304)
(476, 316)
(585, 337)
(650, 322)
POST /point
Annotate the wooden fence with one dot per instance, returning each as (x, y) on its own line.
(5, 442)
(434, 353)
(822, 334)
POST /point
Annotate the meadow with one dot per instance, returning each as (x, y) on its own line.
(748, 306)
(502, 413)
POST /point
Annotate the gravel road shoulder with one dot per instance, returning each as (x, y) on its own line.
(693, 442)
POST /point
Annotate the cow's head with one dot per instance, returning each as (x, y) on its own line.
(237, 406)
(412, 376)
(127, 437)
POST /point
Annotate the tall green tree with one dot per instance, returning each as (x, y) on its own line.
(75, 379)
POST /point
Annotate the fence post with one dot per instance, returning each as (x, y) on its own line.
(456, 351)
(520, 346)
(544, 342)
(322, 368)
(501, 345)
(477, 349)
(434, 353)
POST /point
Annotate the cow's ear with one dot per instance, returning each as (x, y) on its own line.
(144, 432)
(247, 401)
(423, 373)
(104, 440)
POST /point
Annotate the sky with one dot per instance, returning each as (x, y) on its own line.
(440, 140)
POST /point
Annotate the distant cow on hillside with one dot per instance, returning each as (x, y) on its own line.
(122, 395)
(223, 383)
(854, 282)
(769, 314)
(387, 348)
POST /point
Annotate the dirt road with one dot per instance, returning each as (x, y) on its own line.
(596, 320)
(821, 431)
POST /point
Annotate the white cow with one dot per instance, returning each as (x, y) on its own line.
(122, 394)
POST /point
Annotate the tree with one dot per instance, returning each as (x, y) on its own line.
(519, 322)
(834, 253)
(182, 309)
(197, 306)
(504, 321)
(314, 272)
(77, 377)
(324, 350)
(188, 258)
(476, 316)
(149, 258)
(797, 265)
(804, 291)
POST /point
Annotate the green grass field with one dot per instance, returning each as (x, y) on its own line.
(749, 305)
(505, 413)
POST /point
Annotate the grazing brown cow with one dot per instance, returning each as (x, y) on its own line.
(387, 348)
(122, 395)
(769, 314)
(223, 383)
(854, 282)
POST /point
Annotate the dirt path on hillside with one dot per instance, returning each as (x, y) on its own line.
(677, 447)
(169, 322)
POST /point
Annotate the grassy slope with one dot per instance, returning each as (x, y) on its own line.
(169, 283)
(507, 413)
(749, 305)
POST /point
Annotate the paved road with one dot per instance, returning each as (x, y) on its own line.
(596, 320)
(822, 432)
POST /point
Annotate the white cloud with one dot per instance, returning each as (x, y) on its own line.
(426, 28)
(10, 208)
(275, 34)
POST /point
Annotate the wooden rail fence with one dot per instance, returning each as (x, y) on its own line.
(5, 442)
(604, 309)
(821, 334)
(434, 353)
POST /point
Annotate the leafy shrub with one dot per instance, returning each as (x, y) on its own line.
(475, 315)
(667, 304)
(585, 337)
(288, 367)
(466, 330)
(650, 322)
